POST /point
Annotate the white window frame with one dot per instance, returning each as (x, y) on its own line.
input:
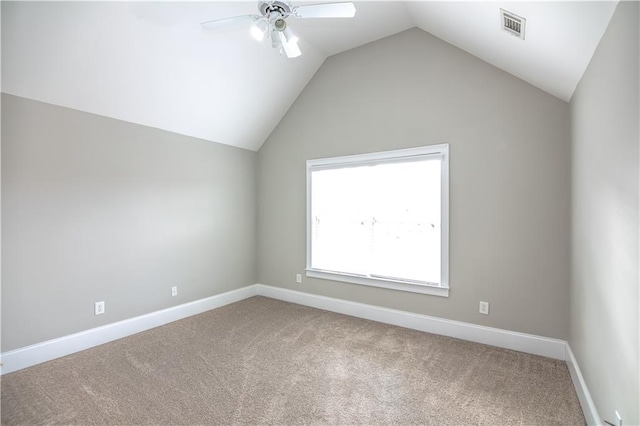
(399, 155)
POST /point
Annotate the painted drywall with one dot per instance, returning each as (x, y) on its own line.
(509, 177)
(605, 173)
(100, 209)
(0, 189)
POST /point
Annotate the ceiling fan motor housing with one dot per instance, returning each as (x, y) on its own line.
(266, 8)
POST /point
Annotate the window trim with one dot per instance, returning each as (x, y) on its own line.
(393, 156)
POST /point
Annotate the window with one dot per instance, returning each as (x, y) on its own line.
(381, 219)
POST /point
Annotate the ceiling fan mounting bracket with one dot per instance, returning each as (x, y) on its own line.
(268, 7)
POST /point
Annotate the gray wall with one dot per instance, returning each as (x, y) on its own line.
(605, 174)
(509, 190)
(100, 209)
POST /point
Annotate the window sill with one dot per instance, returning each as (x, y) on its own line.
(379, 282)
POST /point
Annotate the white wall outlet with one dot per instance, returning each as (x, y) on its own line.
(98, 308)
(174, 290)
(298, 278)
(618, 419)
(484, 307)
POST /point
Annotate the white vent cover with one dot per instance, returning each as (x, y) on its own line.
(512, 23)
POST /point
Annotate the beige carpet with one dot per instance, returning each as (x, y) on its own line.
(262, 361)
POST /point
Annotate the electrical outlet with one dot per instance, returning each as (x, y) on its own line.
(174, 290)
(98, 308)
(484, 307)
(618, 419)
(298, 278)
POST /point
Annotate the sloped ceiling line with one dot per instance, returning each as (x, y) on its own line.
(150, 63)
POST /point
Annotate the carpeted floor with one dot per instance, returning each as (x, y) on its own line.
(270, 362)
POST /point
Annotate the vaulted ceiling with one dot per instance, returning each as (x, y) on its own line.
(151, 63)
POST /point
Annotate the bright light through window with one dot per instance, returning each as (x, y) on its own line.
(380, 219)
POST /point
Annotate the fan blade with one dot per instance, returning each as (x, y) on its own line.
(326, 10)
(218, 24)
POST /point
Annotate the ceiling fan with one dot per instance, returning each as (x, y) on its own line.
(272, 21)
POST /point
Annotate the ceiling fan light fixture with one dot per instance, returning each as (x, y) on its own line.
(259, 29)
(290, 36)
(280, 24)
(276, 41)
(291, 49)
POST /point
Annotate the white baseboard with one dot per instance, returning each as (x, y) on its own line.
(56, 348)
(529, 343)
(588, 407)
(552, 348)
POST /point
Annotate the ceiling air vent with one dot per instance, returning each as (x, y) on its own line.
(512, 23)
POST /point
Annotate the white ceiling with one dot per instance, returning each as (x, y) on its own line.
(150, 62)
